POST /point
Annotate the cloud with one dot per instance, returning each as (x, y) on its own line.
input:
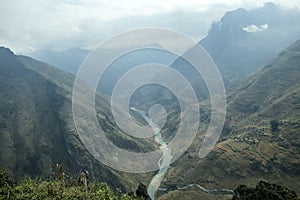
(59, 25)
(33, 25)
(253, 28)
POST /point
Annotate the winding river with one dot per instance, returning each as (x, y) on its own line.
(213, 191)
(165, 161)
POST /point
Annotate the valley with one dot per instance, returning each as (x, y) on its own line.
(257, 52)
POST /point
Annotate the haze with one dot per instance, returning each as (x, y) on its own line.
(31, 26)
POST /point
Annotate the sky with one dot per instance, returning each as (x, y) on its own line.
(28, 26)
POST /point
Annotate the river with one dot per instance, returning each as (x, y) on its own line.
(165, 160)
(213, 191)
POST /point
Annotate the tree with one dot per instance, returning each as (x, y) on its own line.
(274, 125)
(142, 192)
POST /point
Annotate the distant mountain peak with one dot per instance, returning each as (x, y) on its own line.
(270, 5)
(237, 12)
(231, 22)
(5, 51)
(244, 40)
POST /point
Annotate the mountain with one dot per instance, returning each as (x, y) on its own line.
(68, 60)
(243, 40)
(262, 137)
(273, 90)
(37, 129)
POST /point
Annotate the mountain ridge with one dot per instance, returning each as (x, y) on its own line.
(37, 127)
(262, 141)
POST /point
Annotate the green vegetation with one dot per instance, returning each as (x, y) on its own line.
(274, 125)
(264, 190)
(31, 189)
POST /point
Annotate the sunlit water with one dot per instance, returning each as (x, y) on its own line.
(164, 163)
(165, 160)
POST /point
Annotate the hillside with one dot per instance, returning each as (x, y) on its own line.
(273, 90)
(37, 129)
(262, 142)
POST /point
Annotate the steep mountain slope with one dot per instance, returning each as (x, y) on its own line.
(37, 128)
(263, 119)
(244, 40)
(272, 85)
(30, 127)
